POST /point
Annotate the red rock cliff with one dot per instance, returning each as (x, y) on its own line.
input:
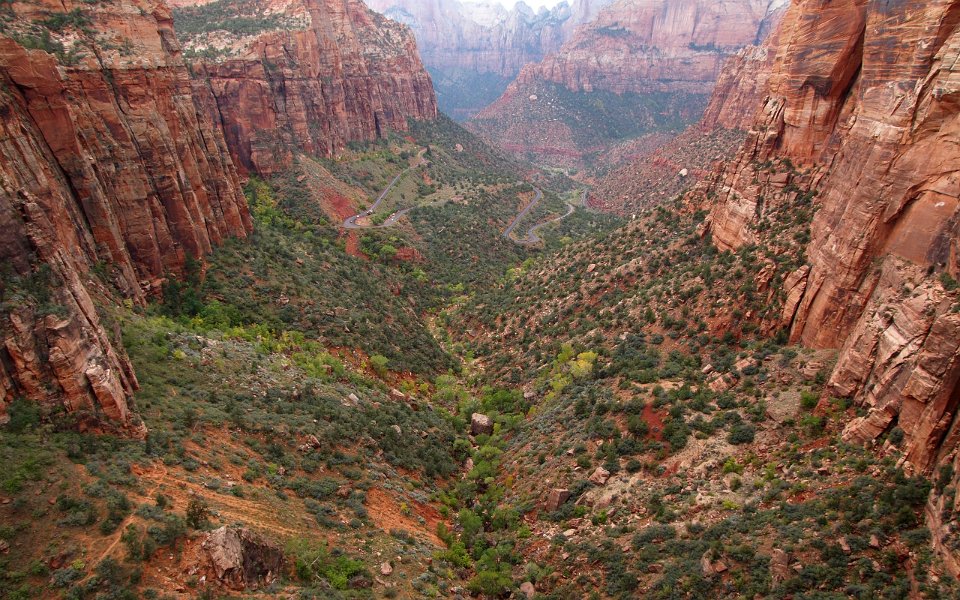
(640, 66)
(321, 74)
(863, 97)
(741, 87)
(109, 157)
(487, 37)
(654, 45)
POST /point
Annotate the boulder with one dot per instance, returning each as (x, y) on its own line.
(480, 424)
(706, 566)
(600, 476)
(779, 567)
(527, 589)
(386, 568)
(722, 383)
(710, 567)
(241, 559)
(309, 443)
(556, 498)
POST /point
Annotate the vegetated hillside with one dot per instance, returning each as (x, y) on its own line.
(306, 76)
(666, 443)
(640, 66)
(551, 124)
(675, 446)
(474, 50)
(664, 171)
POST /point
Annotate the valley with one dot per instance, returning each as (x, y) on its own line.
(669, 310)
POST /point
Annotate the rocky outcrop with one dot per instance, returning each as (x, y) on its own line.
(556, 499)
(863, 102)
(241, 559)
(649, 63)
(322, 74)
(480, 424)
(109, 158)
(742, 85)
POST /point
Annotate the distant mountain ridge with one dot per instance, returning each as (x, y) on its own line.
(651, 64)
(475, 49)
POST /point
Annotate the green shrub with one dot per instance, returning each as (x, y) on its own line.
(313, 562)
(741, 433)
(24, 415)
(808, 400)
(198, 513)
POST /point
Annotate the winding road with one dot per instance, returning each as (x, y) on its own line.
(351, 222)
(523, 213)
(532, 237)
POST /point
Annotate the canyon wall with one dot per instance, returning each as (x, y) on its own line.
(112, 174)
(862, 109)
(650, 63)
(303, 75)
(487, 38)
(654, 45)
(475, 49)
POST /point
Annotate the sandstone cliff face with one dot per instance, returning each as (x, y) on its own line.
(109, 158)
(326, 73)
(741, 88)
(487, 38)
(654, 45)
(474, 50)
(863, 98)
(662, 58)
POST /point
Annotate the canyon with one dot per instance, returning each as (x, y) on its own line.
(474, 50)
(731, 369)
(640, 66)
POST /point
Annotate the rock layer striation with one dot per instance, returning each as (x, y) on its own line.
(319, 76)
(863, 99)
(475, 49)
(652, 63)
(112, 173)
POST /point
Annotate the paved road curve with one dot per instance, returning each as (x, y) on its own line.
(351, 222)
(532, 237)
(523, 213)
